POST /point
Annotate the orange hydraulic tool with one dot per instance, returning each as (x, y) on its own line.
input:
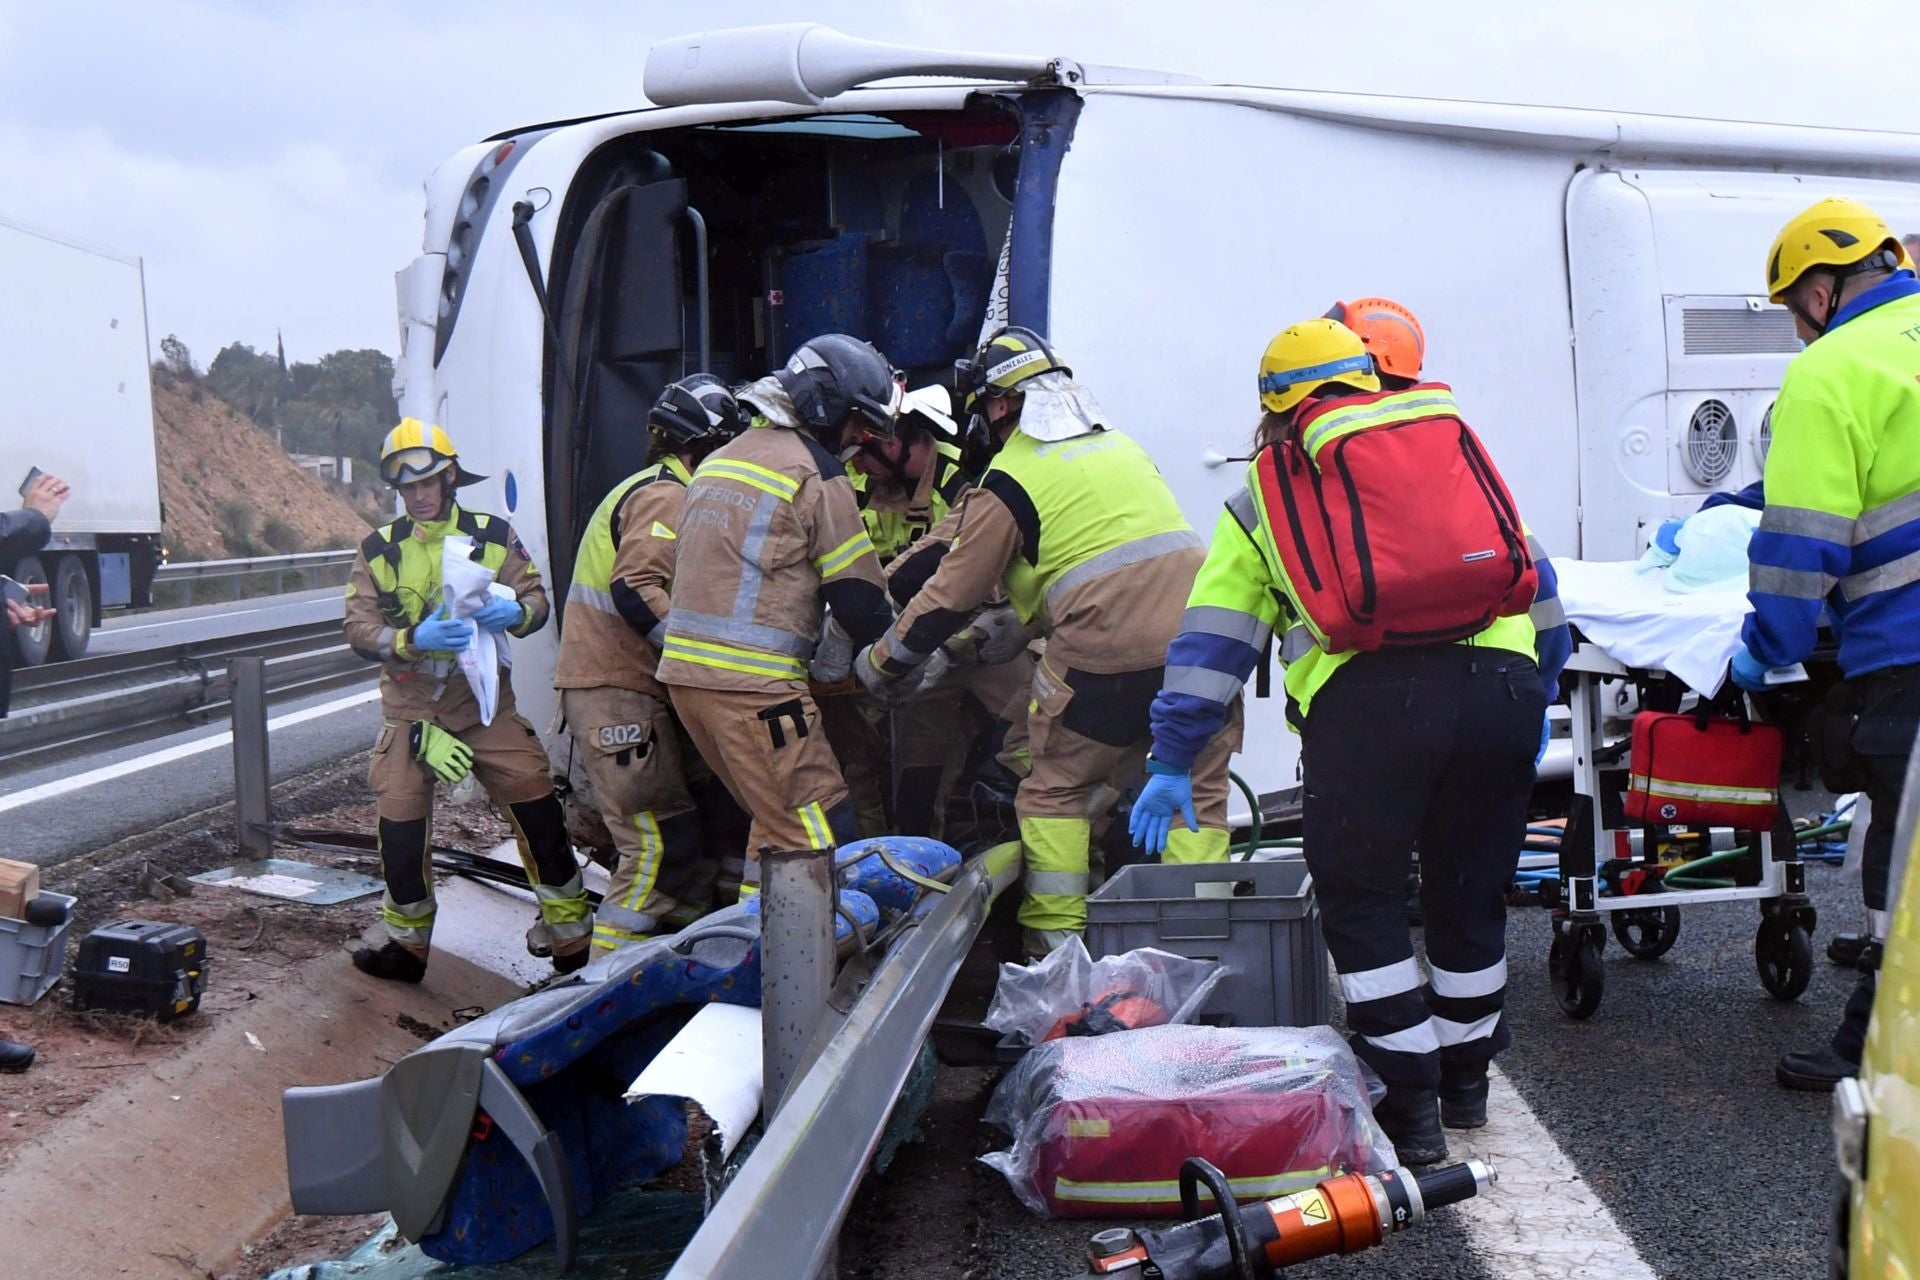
(1346, 1214)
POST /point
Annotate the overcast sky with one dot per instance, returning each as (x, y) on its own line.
(265, 158)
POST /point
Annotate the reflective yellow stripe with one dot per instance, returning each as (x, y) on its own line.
(844, 554)
(652, 849)
(727, 658)
(814, 819)
(1404, 407)
(1662, 789)
(1279, 1184)
(748, 473)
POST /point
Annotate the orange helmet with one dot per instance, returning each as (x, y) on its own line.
(1392, 334)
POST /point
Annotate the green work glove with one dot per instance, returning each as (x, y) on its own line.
(447, 756)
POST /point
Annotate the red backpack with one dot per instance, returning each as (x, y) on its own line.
(1392, 524)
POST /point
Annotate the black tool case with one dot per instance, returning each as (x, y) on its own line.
(141, 966)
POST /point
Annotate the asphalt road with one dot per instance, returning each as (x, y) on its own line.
(76, 807)
(1649, 1140)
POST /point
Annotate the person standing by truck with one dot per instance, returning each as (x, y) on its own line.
(663, 806)
(1839, 528)
(770, 534)
(431, 730)
(1430, 744)
(23, 532)
(1076, 524)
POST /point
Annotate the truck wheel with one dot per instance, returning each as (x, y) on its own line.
(73, 601)
(33, 644)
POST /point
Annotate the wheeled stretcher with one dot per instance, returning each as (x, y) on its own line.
(1634, 641)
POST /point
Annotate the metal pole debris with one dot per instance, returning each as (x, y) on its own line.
(252, 775)
(796, 960)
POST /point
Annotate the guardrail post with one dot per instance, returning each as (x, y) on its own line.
(796, 961)
(252, 775)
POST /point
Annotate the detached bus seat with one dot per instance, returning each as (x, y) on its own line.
(503, 1133)
(930, 290)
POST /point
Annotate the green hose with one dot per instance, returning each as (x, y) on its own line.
(1252, 841)
(1688, 874)
(1830, 829)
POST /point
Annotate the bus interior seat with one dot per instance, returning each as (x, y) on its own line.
(929, 291)
(825, 290)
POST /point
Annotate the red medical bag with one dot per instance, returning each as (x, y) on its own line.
(1102, 1157)
(1703, 770)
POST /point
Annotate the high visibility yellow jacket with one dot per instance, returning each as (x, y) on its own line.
(1841, 525)
(395, 584)
(616, 612)
(896, 519)
(1088, 543)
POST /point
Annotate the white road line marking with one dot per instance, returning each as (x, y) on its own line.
(1540, 1221)
(131, 626)
(108, 772)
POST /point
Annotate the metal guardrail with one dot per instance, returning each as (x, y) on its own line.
(125, 696)
(790, 1197)
(188, 573)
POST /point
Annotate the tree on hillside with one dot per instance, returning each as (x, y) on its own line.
(340, 405)
(248, 380)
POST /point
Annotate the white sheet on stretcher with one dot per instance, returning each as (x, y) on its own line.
(1639, 623)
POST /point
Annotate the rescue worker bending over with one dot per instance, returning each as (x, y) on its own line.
(1431, 745)
(1076, 524)
(770, 533)
(1839, 526)
(906, 484)
(670, 818)
(431, 728)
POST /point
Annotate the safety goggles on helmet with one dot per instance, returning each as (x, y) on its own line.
(408, 466)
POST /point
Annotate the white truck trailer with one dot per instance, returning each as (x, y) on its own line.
(76, 400)
(1591, 282)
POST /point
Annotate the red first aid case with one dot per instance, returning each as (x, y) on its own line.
(1703, 770)
(1122, 1155)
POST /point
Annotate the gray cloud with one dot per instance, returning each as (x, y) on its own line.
(265, 159)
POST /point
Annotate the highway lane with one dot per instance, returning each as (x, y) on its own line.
(74, 807)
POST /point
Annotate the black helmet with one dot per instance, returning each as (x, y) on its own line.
(833, 375)
(1004, 361)
(696, 414)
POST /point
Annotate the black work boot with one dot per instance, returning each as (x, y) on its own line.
(393, 962)
(572, 961)
(1815, 1072)
(15, 1056)
(1464, 1106)
(1411, 1118)
(1845, 949)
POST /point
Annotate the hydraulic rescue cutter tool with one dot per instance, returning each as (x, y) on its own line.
(1338, 1215)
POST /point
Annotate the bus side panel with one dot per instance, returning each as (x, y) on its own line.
(1188, 233)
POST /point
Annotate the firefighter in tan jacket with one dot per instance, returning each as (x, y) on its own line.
(672, 822)
(430, 722)
(770, 533)
(1076, 524)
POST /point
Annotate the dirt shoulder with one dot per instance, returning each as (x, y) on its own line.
(149, 1149)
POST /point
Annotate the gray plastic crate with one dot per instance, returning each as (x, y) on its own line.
(1269, 931)
(32, 956)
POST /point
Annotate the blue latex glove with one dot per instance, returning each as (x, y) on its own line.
(1664, 539)
(1152, 818)
(442, 634)
(500, 614)
(1749, 672)
(1546, 734)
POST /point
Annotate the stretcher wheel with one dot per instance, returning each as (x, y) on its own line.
(1647, 932)
(1574, 968)
(1783, 953)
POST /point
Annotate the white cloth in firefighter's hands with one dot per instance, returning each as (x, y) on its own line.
(467, 585)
